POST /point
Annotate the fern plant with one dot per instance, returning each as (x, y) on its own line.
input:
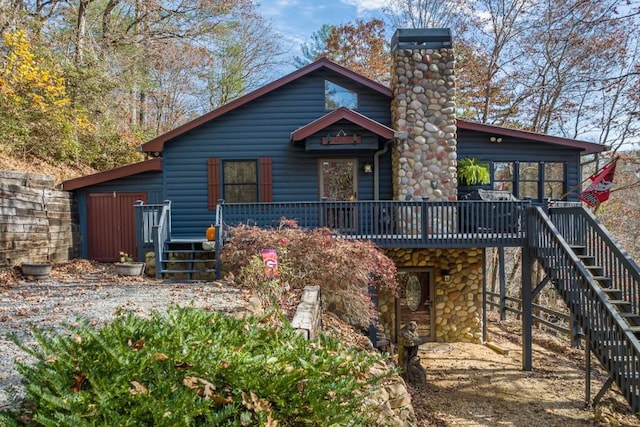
(473, 172)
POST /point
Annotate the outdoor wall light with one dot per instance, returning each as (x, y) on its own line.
(446, 275)
(495, 139)
(367, 168)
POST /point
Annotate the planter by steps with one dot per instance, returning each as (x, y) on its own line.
(36, 271)
(129, 268)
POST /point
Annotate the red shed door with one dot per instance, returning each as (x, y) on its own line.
(111, 225)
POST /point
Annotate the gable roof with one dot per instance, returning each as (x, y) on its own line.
(153, 165)
(341, 113)
(587, 147)
(157, 144)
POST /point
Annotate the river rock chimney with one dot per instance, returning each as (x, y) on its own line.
(424, 109)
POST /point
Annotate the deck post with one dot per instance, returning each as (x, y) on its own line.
(423, 220)
(485, 334)
(219, 238)
(503, 284)
(527, 308)
(140, 229)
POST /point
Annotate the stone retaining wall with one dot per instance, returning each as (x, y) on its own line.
(392, 401)
(37, 222)
(457, 304)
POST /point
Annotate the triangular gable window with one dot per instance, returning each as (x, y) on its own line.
(336, 96)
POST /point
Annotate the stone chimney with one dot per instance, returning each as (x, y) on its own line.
(424, 109)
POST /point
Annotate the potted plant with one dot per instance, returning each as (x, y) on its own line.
(128, 267)
(36, 271)
(473, 172)
(472, 175)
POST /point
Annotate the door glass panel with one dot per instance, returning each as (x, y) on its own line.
(414, 302)
(338, 179)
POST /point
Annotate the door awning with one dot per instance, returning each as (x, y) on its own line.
(325, 122)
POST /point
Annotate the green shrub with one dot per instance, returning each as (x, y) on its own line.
(193, 368)
(307, 258)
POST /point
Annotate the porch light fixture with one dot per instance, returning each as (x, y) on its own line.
(367, 168)
(495, 139)
(446, 275)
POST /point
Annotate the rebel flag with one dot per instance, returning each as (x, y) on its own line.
(600, 188)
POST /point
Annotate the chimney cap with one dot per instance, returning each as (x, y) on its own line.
(421, 38)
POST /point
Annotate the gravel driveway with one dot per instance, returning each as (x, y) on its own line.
(93, 292)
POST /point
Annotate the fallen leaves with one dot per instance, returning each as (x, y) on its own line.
(78, 381)
(206, 389)
(137, 388)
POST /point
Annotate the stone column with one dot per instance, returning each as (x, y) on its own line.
(423, 106)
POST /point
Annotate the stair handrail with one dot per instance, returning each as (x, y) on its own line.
(161, 234)
(586, 301)
(580, 226)
(219, 224)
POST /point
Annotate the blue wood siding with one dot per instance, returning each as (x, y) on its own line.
(478, 145)
(263, 128)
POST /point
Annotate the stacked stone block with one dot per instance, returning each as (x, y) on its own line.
(37, 222)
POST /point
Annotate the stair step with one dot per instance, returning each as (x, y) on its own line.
(595, 270)
(587, 259)
(208, 270)
(188, 251)
(578, 249)
(632, 318)
(185, 261)
(602, 279)
(620, 302)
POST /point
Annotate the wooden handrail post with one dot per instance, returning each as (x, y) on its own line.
(424, 219)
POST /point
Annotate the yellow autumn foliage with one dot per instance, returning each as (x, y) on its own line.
(38, 117)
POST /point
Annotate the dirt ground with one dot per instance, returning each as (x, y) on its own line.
(473, 385)
(467, 384)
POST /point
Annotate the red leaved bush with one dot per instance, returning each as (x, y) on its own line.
(344, 269)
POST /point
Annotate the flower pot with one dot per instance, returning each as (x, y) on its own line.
(129, 268)
(36, 270)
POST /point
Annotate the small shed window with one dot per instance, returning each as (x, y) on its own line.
(240, 181)
(336, 96)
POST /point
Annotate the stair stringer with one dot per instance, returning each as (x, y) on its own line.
(612, 340)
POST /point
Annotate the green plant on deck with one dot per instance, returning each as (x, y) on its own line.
(189, 367)
(473, 172)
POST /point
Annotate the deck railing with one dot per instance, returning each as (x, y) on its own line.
(394, 223)
(579, 227)
(153, 227)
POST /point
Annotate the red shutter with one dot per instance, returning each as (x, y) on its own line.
(213, 170)
(266, 184)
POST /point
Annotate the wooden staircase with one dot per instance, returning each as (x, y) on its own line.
(188, 260)
(600, 284)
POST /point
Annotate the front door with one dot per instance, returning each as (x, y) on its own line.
(415, 302)
(339, 183)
